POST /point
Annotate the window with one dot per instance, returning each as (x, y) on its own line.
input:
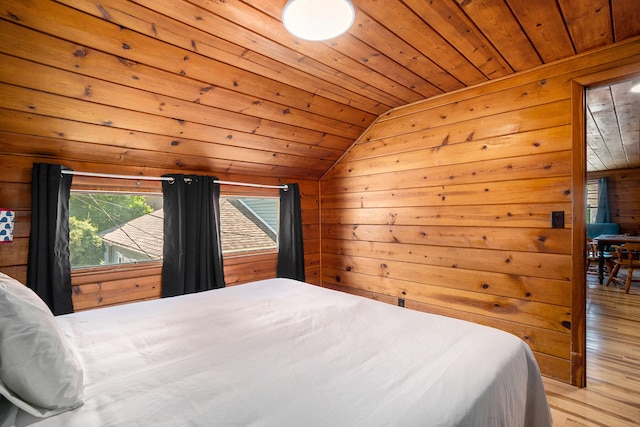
(114, 228)
(249, 223)
(119, 228)
(592, 200)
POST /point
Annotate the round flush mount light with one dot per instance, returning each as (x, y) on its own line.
(635, 88)
(318, 20)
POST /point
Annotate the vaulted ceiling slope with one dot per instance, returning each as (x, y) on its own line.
(220, 84)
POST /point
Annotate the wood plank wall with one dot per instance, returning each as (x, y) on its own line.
(72, 91)
(107, 286)
(624, 197)
(446, 204)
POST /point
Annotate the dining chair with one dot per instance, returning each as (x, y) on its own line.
(593, 257)
(628, 259)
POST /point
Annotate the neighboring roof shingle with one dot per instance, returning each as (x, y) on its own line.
(237, 233)
(143, 234)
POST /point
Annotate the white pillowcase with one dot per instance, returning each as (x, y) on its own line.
(39, 372)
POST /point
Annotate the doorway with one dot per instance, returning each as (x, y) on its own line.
(584, 158)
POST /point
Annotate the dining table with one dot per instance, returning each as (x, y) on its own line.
(605, 241)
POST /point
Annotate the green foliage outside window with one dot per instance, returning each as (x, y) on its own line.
(91, 214)
(119, 228)
(105, 211)
(85, 246)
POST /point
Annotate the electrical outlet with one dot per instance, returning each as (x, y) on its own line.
(557, 219)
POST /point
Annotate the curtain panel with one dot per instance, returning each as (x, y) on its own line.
(290, 244)
(192, 248)
(48, 267)
(603, 214)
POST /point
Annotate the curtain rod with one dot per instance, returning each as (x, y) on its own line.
(166, 178)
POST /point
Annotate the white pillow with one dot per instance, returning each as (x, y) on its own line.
(39, 371)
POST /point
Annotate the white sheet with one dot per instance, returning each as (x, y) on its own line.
(285, 353)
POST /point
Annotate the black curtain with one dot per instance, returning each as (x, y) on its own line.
(192, 249)
(603, 214)
(49, 269)
(290, 246)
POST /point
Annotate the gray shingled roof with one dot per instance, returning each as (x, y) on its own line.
(142, 234)
(238, 232)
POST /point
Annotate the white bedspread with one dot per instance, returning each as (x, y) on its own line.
(284, 353)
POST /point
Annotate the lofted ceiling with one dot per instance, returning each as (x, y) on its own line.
(219, 84)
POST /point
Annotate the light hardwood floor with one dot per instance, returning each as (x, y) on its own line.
(612, 395)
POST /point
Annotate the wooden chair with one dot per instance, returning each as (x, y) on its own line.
(593, 256)
(627, 258)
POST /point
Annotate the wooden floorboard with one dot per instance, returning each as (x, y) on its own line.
(612, 395)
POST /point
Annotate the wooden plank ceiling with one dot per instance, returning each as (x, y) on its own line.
(219, 84)
(613, 127)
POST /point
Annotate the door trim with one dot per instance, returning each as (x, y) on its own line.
(579, 178)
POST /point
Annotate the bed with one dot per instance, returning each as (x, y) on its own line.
(280, 352)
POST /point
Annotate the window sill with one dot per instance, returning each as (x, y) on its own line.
(115, 268)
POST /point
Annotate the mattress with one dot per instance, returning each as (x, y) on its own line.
(284, 353)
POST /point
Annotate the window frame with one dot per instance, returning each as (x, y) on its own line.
(591, 211)
(126, 192)
(256, 195)
(128, 186)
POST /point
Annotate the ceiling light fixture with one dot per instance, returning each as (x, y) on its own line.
(318, 20)
(635, 88)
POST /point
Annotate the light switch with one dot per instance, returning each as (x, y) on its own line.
(557, 219)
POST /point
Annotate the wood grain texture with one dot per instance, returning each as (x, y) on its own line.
(404, 212)
(219, 87)
(105, 286)
(588, 23)
(613, 390)
(222, 85)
